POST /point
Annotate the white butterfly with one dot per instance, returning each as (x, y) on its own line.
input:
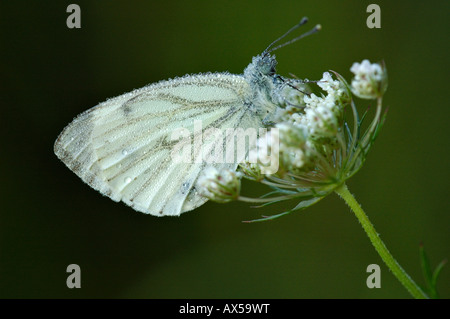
(121, 147)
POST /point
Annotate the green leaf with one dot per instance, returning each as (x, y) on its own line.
(266, 218)
(436, 273)
(361, 120)
(306, 203)
(430, 277)
(426, 269)
(302, 205)
(268, 203)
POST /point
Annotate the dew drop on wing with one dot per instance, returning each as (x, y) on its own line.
(184, 187)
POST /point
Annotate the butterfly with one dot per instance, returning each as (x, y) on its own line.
(122, 147)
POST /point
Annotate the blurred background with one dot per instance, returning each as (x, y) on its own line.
(50, 219)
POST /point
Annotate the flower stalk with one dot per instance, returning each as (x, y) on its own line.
(316, 150)
(378, 244)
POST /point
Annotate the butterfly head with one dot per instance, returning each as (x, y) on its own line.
(262, 67)
(265, 64)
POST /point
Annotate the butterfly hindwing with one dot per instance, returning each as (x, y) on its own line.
(122, 147)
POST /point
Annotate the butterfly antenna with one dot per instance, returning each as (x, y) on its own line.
(318, 27)
(298, 25)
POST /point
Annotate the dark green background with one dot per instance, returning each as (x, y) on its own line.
(50, 219)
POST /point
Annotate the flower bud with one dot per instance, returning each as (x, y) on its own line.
(252, 170)
(219, 186)
(370, 80)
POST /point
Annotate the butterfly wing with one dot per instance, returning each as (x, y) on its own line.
(122, 147)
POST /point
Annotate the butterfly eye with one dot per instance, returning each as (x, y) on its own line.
(266, 65)
(272, 71)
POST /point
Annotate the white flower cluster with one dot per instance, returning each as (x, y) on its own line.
(316, 120)
(292, 150)
(252, 170)
(265, 154)
(323, 115)
(310, 148)
(221, 186)
(308, 124)
(370, 80)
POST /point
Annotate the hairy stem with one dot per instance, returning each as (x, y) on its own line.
(384, 253)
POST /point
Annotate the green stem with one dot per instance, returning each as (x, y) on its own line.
(384, 253)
